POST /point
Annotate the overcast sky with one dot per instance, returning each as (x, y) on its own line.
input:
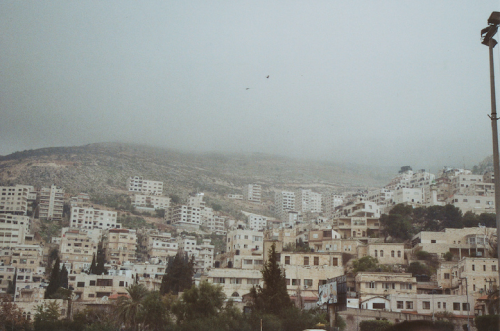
(372, 82)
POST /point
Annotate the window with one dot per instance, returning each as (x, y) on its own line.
(484, 267)
(400, 304)
(446, 276)
(306, 260)
(409, 304)
(296, 282)
(248, 261)
(308, 282)
(392, 254)
(456, 305)
(252, 281)
(371, 285)
(122, 283)
(381, 253)
(316, 260)
(399, 253)
(444, 305)
(335, 261)
(375, 253)
(473, 267)
(288, 281)
(219, 280)
(378, 305)
(493, 268)
(439, 304)
(426, 305)
(465, 306)
(405, 286)
(433, 241)
(236, 281)
(80, 284)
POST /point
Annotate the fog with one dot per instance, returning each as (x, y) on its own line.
(369, 82)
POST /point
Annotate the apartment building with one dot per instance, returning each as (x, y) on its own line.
(428, 304)
(357, 227)
(244, 249)
(460, 242)
(330, 203)
(184, 216)
(78, 246)
(235, 283)
(14, 199)
(216, 224)
(50, 203)
(196, 200)
(90, 218)
(252, 192)
(120, 245)
(473, 203)
(462, 182)
(160, 245)
(7, 274)
(140, 185)
(81, 200)
(152, 201)
(284, 202)
(94, 288)
(411, 196)
(257, 222)
(235, 196)
(385, 253)
(359, 208)
(473, 275)
(26, 256)
(307, 201)
(382, 284)
(204, 258)
(13, 229)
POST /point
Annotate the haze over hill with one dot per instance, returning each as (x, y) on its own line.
(105, 167)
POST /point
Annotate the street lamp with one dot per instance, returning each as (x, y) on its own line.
(487, 35)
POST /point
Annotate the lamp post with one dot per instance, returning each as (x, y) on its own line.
(487, 35)
(468, 304)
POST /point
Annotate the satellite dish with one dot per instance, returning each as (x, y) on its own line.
(104, 298)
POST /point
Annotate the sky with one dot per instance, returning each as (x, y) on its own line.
(386, 83)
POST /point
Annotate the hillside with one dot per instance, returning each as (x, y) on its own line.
(104, 167)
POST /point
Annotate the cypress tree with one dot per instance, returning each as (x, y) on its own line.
(92, 268)
(63, 276)
(55, 279)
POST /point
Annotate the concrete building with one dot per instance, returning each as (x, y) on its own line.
(140, 185)
(184, 216)
(81, 200)
(252, 192)
(13, 229)
(120, 245)
(284, 202)
(152, 201)
(385, 253)
(78, 247)
(308, 201)
(216, 224)
(235, 282)
(244, 249)
(460, 242)
(50, 203)
(330, 202)
(26, 256)
(98, 287)
(14, 199)
(473, 275)
(411, 196)
(475, 203)
(257, 222)
(160, 245)
(357, 227)
(360, 208)
(381, 284)
(90, 218)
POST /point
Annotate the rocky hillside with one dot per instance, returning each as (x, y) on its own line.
(103, 169)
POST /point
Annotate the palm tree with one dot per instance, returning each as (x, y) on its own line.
(129, 308)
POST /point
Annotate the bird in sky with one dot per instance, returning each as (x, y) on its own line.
(248, 88)
(267, 76)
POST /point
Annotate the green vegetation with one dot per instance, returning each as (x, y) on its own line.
(134, 222)
(374, 325)
(369, 263)
(417, 268)
(178, 276)
(487, 323)
(115, 201)
(11, 317)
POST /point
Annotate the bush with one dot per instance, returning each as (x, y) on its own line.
(487, 323)
(374, 325)
(423, 255)
(448, 256)
(422, 325)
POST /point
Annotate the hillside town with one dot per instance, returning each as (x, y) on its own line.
(422, 247)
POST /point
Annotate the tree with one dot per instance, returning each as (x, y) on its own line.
(374, 325)
(11, 318)
(129, 308)
(175, 198)
(487, 323)
(63, 277)
(273, 298)
(366, 263)
(178, 275)
(99, 269)
(93, 266)
(154, 314)
(396, 226)
(417, 268)
(202, 301)
(11, 289)
(55, 279)
(47, 317)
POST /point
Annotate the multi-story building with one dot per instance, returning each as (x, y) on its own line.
(460, 242)
(184, 216)
(257, 222)
(473, 203)
(216, 224)
(380, 285)
(358, 209)
(50, 203)
(357, 227)
(96, 287)
(7, 274)
(152, 201)
(385, 253)
(140, 185)
(78, 247)
(90, 218)
(244, 249)
(462, 182)
(252, 192)
(26, 256)
(196, 200)
(120, 245)
(14, 199)
(308, 201)
(160, 245)
(235, 283)
(81, 200)
(474, 276)
(13, 229)
(330, 202)
(284, 202)
(428, 304)
(204, 259)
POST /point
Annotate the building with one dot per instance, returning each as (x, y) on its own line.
(359, 208)
(98, 287)
(140, 185)
(284, 202)
(330, 202)
(380, 285)
(257, 222)
(13, 229)
(244, 249)
(357, 227)
(473, 203)
(184, 216)
(81, 200)
(90, 218)
(50, 203)
(120, 245)
(216, 224)
(78, 247)
(308, 201)
(159, 245)
(234, 282)
(151, 201)
(252, 192)
(385, 253)
(14, 199)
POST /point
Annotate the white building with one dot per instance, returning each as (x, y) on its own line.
(308, 201)
(154, 201)
(252, 192)
(216, 224)
(245, 249)
(331, 201)
(140, 185)
(412, 196)
(14, 199)
(184, 216)
(284, 201)
(13, 229)
(257, 222)
(51, 202)
(90, 218)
